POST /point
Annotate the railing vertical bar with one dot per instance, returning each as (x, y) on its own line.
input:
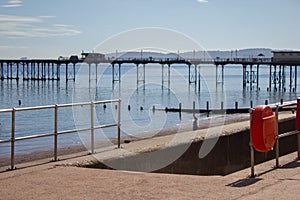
(277, 138)
(298, 137)
(12, 151)
(119, 123)
(55, 131)
(92, 128)
(251, 149)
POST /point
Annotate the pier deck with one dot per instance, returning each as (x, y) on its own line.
(51, 69)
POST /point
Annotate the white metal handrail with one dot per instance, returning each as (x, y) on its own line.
(55, 133)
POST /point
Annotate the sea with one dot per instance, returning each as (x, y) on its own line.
(144, 98)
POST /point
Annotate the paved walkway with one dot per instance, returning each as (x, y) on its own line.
(49, 181)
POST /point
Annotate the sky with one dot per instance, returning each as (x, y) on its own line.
(51, 28)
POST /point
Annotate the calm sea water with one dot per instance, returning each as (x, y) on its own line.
(141, 98)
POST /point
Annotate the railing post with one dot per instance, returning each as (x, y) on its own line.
(298, 137)
(12, 146)
(277, 138)
(55, 131)
(119, 123)
(92, 128)
(251, 150)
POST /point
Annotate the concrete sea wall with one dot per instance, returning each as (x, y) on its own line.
(231, 153)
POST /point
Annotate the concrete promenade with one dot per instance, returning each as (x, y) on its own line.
(42, 179)
(56, 181)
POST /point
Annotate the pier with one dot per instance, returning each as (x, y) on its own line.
(282, 73)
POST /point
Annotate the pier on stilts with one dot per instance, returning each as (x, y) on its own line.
(282, 74)
(36, 70)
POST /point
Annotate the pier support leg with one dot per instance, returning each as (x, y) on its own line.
(38, 68)
(189, 66)
(74, 74)
(52, 67)
(116, 73)
(137, 75)
(90, 72)
(17, 72)
(275, 79)
(140, 74)
(162, 75)
(119, 73)
(280, 77)
(23, 70)
(251, 77)
(7, 70)
(283, 78)
(291, 80)
(58, 71)
(244, 76)
(222, 75)
(166, 75)
(96, 73)
(295, 78)
(192, 74)
(67, 71)
(257, 77)
(169, 75)
(1, 70)
(217, 74)
(11, 71)
(270, 78)
(199, 79)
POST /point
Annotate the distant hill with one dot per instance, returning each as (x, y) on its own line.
(243, 53)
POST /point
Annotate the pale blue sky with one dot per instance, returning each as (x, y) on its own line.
(49, 28)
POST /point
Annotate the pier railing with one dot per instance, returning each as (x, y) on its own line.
(56, 133)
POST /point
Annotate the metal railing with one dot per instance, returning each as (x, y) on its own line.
(278, 136)
(55, 133)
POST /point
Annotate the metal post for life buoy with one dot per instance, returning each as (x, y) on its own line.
(277, 138)
(298, 126)
(251, 149)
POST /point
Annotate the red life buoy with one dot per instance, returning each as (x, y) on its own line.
(263, 128)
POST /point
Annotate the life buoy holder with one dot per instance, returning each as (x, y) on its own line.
(263, 128)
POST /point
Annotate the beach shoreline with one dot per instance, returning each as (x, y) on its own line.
(48, 154)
